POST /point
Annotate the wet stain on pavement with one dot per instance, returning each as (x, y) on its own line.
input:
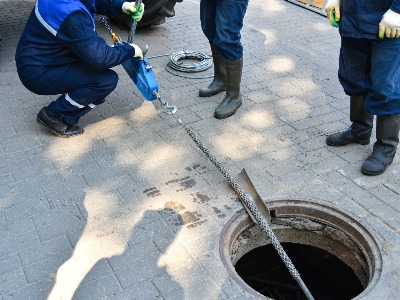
(201, 197)
(191, 217)
(175, 215)
(219, 212)
(177, 180)
(187, 184)
(175, 206)
(152, 192)
(197, 167)
(194, 225)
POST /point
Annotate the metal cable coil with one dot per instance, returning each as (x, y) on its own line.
(204, 61)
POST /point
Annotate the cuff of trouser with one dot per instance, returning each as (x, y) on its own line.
(52, 111)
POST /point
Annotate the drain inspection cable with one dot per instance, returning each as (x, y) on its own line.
(141, 73)
(246, 200)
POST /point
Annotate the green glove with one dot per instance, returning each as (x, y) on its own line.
(131, 9)
(332, 8)
(334, 21)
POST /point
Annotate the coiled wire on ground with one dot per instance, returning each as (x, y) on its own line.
(176, 62)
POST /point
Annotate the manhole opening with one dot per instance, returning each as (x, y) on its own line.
(327, 277)
(335, 255)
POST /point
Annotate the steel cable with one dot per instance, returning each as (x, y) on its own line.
(204, 62)
(249, 203)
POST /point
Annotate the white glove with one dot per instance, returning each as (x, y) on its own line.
(390, 25)
(131, 9)
(332, 9)
(138, 51)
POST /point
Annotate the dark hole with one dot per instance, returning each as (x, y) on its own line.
(325, 275)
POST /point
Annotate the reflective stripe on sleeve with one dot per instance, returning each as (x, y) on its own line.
(43, 22)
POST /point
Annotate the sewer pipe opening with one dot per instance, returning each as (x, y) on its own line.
(335, 255)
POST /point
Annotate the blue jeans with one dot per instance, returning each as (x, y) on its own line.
(81, 87)
(221, 22)
(372, 68)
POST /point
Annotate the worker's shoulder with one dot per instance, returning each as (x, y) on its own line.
(54, 13)
(60, 7)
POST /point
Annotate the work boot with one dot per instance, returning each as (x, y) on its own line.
(360, 129)
(219, 82)
(384, 150)
(57, 126)
(233, 99)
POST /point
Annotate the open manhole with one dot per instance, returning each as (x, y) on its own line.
(335, 255)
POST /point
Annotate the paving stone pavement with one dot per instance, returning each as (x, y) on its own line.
(133, 210)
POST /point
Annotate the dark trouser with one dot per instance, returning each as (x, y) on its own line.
(221, 22)
(81, 86)
(372, 68)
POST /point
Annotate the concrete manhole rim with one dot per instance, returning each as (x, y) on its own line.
(353, 229)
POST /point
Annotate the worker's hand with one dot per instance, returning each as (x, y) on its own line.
(138, 51)
(332, 9)
(390, 25)
(131, 9)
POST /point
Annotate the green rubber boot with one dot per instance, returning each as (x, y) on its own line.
(218, 84)
(233, 99)
(387, 138)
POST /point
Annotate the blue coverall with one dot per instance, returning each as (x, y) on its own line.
(60, 53)
(368, 65)
(221, 22)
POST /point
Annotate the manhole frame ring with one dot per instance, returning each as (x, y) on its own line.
(316, 205)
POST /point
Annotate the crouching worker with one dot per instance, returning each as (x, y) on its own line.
(59, 52)
(369, 72)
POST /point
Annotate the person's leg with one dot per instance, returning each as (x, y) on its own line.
(229, 22)
(82, 89)
(208, 17)
(354, 76)
(81, 86)
(384, 101)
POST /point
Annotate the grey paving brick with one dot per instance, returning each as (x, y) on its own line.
(33, 207)
(20, 142)
(45, 269)
(134, 254)
(12, 281)
(144, 290)
(140, 272)
(97, 289)
(183, 278)
(152, 230)
(203, 290)
(63, 226)
(45, 250)
(34, 291)
(9, 263)
(100, 269)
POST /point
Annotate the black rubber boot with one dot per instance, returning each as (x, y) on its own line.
(387, 138)
(360, 129)
(233, 99)
(57, 126)
(219, 82)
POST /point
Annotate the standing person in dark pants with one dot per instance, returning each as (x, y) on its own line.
(59, 52)
(221, 22)
(369, 72)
